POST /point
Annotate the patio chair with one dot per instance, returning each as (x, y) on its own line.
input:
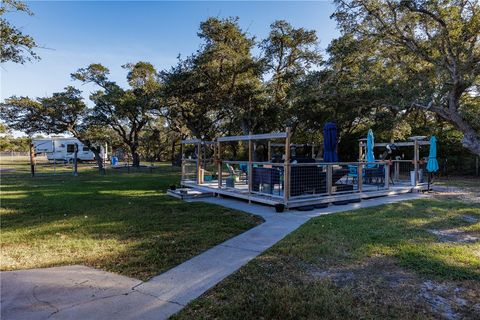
(374, 175)
(371, 174)
(353, 173)
(236, 174)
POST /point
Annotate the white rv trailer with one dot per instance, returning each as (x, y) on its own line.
(63, 149)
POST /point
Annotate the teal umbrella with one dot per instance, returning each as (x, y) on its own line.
(432, 165)
(370, 144)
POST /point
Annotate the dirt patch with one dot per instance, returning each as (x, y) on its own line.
(380, 281)
(455, 235)
(449, 300)
(448, 192)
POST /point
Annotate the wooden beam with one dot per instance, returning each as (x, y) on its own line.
(219, 165)
(183, 170)
(199, 163)
(396, 172)
(416, 152)
(360, 151)
(265, 136)
(387, 175)
(250, 167)
(398, 144)
(269, 151)
(190, 141)
(360, 177)
(329, 178)
(298, 145)
(195, 141)
(286, 178)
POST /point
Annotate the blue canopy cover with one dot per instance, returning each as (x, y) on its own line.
(330, 142)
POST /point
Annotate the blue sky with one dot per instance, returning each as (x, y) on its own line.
(77, 33)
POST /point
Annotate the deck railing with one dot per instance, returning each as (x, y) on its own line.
(300, 181)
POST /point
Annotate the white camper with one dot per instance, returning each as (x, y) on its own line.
(63, 149)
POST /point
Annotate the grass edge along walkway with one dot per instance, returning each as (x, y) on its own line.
(370, 263)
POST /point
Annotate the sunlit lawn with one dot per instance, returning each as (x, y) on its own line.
(376, 263)
(120, 222)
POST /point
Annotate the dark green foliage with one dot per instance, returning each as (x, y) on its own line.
(15, 46)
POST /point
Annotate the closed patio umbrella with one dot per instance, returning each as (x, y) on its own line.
(432, 164)
(330, 142)
(370, 145)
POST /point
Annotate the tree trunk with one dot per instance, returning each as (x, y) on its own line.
(472, 143)
(98, 158)
(471, 139)
(96, 152)
(135, 156)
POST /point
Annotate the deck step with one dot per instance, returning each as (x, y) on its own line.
(188, 193)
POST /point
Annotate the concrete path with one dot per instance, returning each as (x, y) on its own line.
(78, 292)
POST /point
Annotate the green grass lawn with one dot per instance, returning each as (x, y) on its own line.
(374, 263)
(120, 222)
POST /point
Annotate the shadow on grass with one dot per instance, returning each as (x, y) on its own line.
(123, 223)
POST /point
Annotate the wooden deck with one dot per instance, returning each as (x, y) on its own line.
(240, 191)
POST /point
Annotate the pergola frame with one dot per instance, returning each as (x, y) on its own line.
(198, 150)
(250, 139)
(291, 196)
(414, 142)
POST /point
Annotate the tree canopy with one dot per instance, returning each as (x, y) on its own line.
(428, 55)
(125, 111)
(400, 67)
(15, 46)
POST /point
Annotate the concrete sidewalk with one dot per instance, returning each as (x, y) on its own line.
(78, 292)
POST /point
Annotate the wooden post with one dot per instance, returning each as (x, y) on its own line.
(329, 178)
(250, 166)
(387, 175)
(269, 153)
(286, 179)
(32, 160)
(396, 173)
(360, 151)
(416, 160)
(360, 176)
(199, 163)
(219, 165)
(182, 164)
